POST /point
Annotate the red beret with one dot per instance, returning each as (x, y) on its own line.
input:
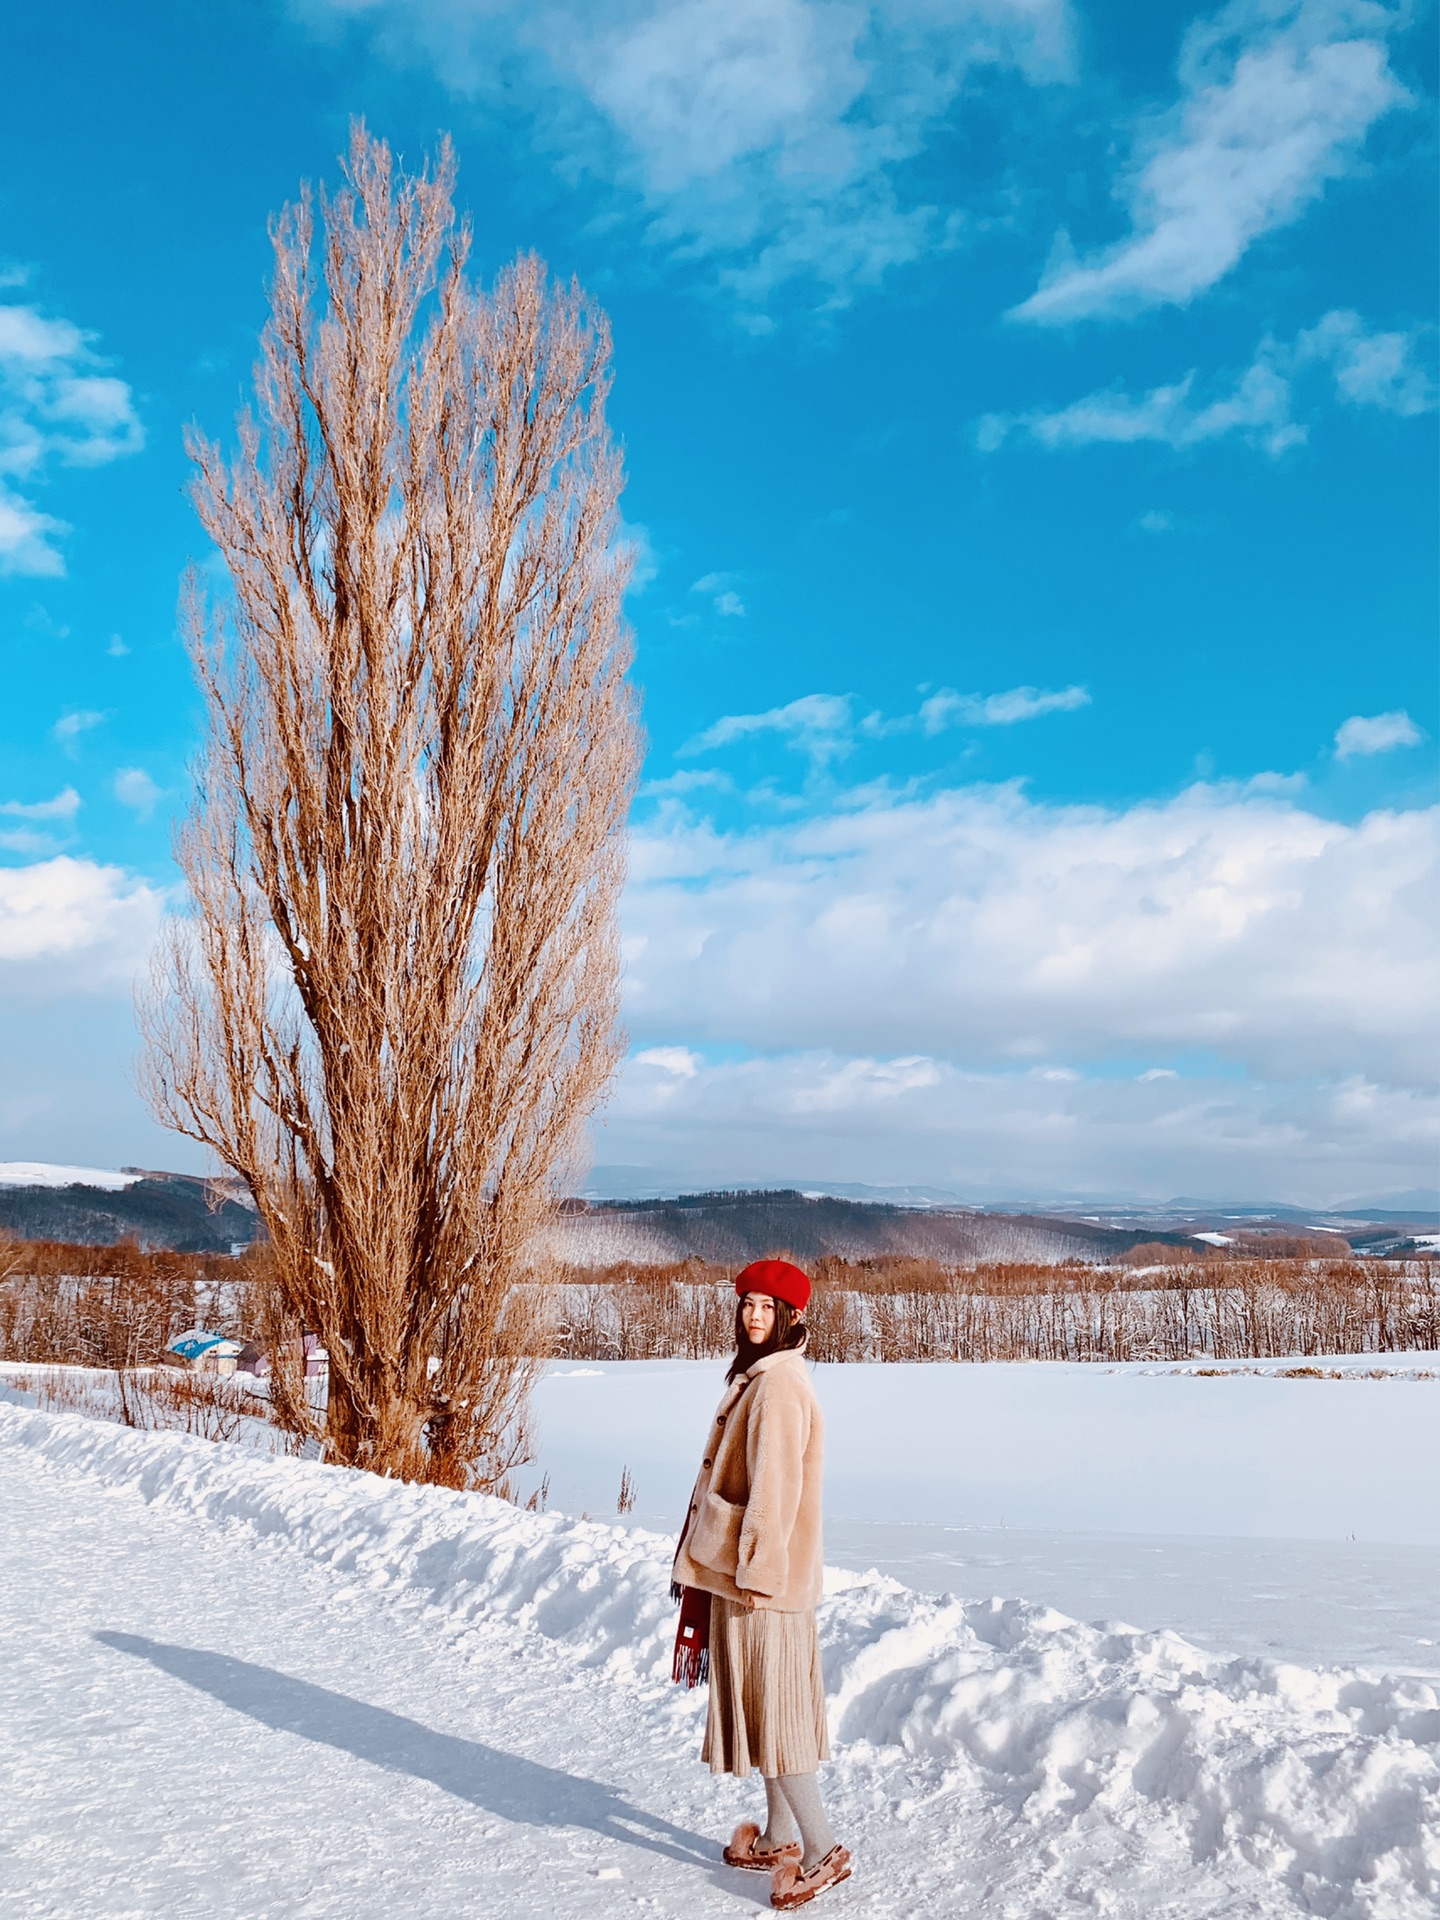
(777, 1278)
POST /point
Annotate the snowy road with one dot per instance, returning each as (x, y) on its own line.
(264, 1688)
(201, 1725)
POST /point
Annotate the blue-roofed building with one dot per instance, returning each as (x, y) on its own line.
(207, 1352)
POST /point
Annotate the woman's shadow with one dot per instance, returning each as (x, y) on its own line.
(501, 1783)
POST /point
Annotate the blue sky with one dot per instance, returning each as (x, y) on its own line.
(1029, 415)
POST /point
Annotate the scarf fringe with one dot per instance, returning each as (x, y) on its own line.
(690, 1666)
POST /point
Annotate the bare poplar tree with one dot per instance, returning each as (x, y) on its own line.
(393, 1003)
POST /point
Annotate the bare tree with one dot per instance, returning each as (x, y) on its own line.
(394, 1001)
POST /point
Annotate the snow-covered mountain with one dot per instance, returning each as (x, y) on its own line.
(43, 1173)
(98, 1206)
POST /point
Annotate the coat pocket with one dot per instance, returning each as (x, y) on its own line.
(715, 1541)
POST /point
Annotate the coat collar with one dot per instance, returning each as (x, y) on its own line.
(775, 1360)
(735, 1388)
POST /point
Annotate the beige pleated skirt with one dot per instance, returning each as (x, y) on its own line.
(767, 1692)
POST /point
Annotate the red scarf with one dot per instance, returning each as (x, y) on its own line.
(691, 1664)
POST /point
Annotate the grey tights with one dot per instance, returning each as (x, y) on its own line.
(796, 1794)
(779, 1827)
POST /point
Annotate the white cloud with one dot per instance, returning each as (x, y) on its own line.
(983, 927)
(762, 134)
(862, 1086)
(64, 806)
(687, 780)
(911, 1120)
(719, 589)
(1377, 734)
(819, 724)
(135, 789)
(824, 726)
(1288, 785)
(678, 1062)
(1258, 407)
(1369, 369)
(965, 989)
(70, 926)
(1276, 99)
(697, 86)
(56, 407)
(28, 538)
(950, 709)
(70, 726)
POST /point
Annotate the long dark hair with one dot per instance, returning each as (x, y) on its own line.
(788, 1334)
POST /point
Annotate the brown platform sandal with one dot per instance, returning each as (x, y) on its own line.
(742, 1851)
(792, 1888)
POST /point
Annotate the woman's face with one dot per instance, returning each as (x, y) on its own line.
(757, 1310)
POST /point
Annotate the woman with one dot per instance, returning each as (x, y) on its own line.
(750, 1556)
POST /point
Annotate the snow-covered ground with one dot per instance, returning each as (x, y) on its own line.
(44, 1173)
(1315, 1449)
(247, 1686)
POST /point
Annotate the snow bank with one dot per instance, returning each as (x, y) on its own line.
(604, 1589)
(1328, 1781)
(1325, 1782)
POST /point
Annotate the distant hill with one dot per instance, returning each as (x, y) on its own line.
(735, 1227)
(96, 1207)
(178, 1211)
(1421, 1201)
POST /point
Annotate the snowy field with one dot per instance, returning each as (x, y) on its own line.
(247, 1686)
(1254, 1510)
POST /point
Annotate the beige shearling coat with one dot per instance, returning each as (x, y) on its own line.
(753, 1531)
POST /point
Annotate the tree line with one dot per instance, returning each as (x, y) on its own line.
(119, 1308)
(919, 1310)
